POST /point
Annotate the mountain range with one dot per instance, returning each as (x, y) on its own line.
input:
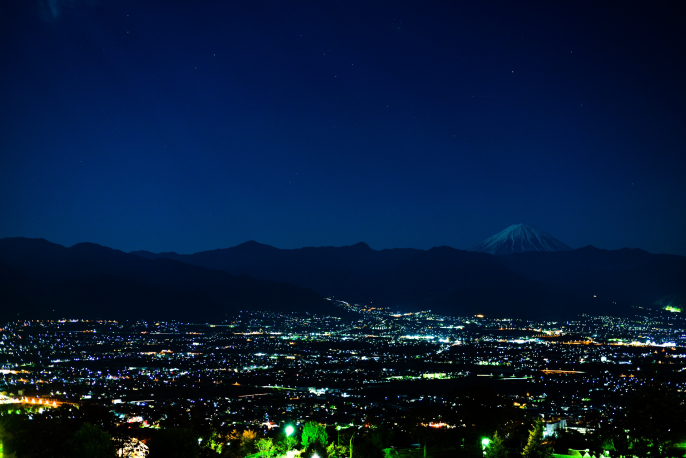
(554, 281)
(46, 280)
(458, 282)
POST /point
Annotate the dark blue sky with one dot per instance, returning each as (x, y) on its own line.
(187, 126)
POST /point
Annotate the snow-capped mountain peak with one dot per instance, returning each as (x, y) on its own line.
(518, 238)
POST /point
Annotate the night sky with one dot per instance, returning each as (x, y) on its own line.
(187, 126)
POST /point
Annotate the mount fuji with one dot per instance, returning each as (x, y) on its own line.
(519, 238)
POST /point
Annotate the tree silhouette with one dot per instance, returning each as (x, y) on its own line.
(265, 447)
(496, 448)
(337, 451)
(39, 438)
(535, 448)
(174, 443)
(655, 420)
(92, 442)
(314, 433)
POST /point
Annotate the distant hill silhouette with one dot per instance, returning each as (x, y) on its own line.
(39, 278)
(626, 276)
(457, 282)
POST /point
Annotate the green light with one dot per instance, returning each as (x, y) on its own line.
(485, 442)
(671, 308)
(289, 430)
